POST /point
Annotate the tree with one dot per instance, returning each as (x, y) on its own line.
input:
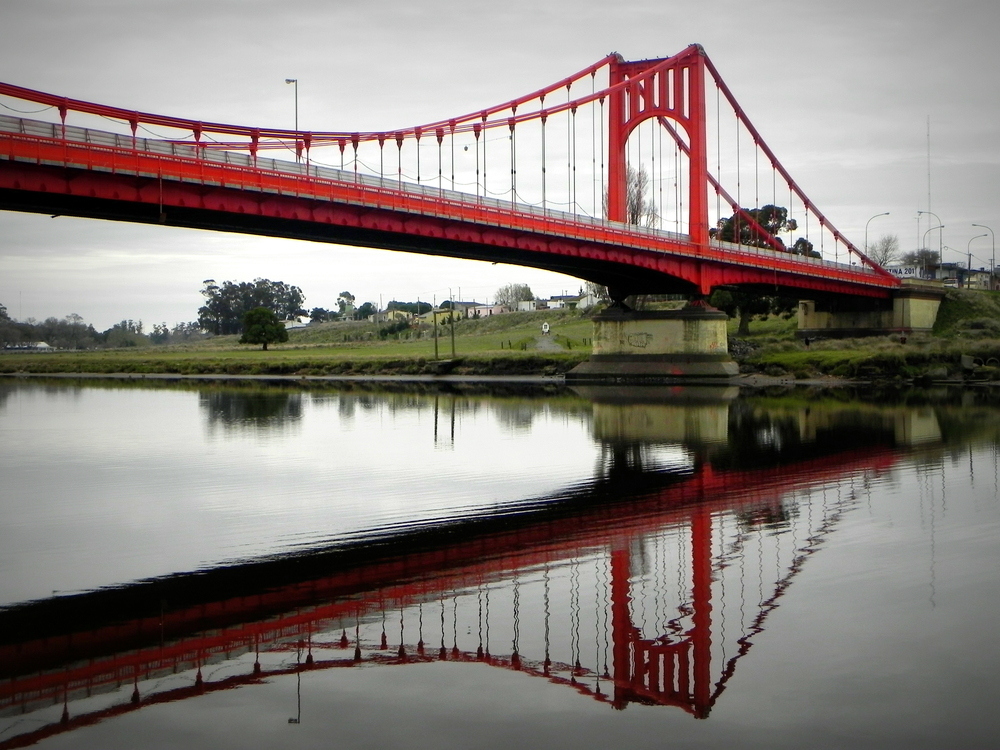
(160, 334)
(802, 246)
(639, 210)
(510, 294)
(261, 326)
(227, 304)
(345, 302)
(923, 258)
(414, 308)
(597, 290)
(125, 334)
(885, 250)
(739, 228)
(366, 310)
(3, 313)
(747, 306)
(321, 315)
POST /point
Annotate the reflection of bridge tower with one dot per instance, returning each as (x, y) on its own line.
(648, 670)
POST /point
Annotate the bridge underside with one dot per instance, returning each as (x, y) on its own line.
(123, 197)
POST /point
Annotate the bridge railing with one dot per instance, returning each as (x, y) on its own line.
(58, 145)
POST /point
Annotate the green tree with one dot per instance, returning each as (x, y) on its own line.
(160, 334)
(748, 305)
(226, 304)
(345, 302)
(740, 229)
(737, 228)
(414, 308)
(366, 311)
(924, 258)
(321, 315)
(261, 326)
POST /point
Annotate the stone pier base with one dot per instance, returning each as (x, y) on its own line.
(913, 308)
(654, 346)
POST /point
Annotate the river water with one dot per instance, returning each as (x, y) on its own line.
(262, 565)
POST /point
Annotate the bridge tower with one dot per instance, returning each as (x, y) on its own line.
(636, 345)
(668, 88)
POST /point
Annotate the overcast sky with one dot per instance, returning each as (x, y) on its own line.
(840, 90)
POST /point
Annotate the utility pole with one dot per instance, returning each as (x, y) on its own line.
(451, 317)
(435, 318)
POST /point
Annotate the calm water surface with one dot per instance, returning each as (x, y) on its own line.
(265, 566)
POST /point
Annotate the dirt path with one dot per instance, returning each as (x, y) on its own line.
(547, 344)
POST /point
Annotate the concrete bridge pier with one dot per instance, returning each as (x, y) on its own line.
(913, 308)
(657, 345)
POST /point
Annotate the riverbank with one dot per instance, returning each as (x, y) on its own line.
(964, 347)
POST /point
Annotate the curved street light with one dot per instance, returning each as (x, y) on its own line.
(923, 247)
(968, 251)
(941, 238)
(993, 257)
(866, 228)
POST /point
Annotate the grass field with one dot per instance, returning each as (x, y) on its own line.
(968, 327)
(500, 344)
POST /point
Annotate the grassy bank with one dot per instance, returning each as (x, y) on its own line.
(499, 345)
(967, 332)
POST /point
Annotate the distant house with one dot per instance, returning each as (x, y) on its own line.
(464, 307)
(564, 301)
(977, 279)
(484, 311)
(30, 346)
(441, 317)
(393, 316)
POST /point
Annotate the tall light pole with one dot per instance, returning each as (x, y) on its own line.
(941, 238)
(924, 239)
(968, 251)
(296, 82)
(866, 229)
(993, 257)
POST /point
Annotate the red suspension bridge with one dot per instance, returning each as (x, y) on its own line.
(543, 180)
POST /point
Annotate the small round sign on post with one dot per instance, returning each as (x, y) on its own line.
(545, 328)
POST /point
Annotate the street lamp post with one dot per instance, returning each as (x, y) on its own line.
(968, 252)
(993, 257)
(922, 247)
(941, 238)
(866, 228)
(296, 82)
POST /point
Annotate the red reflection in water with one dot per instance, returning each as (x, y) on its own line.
(671, 668)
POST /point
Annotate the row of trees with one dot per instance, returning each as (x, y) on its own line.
(72, 332)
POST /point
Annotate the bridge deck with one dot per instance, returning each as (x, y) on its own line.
(391, 208)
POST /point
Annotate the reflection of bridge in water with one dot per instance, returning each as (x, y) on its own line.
(646, 584)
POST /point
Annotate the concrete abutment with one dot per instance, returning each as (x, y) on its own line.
(913, 308)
